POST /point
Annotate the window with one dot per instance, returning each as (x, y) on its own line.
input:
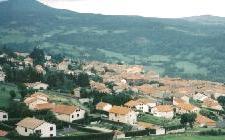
(72, 116)
(25, 129)
(4, 116)
(51, 128)
(78, 115)
(38, 131)
(51, 135)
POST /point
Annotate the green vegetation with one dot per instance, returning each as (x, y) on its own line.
(5, 96)
(158, 121)
(181, 137)
(174, 47)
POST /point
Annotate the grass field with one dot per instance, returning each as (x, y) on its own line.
(4, 93)
(158, 121)
(181, 137)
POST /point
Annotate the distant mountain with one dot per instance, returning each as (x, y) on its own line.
(188, 47)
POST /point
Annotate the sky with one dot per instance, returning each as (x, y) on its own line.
(146, 8)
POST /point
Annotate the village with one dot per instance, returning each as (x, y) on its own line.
(105, 101)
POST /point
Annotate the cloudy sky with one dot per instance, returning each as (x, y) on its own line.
(147, 8)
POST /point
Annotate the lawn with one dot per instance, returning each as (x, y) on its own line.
(4, 93)
(157, 120)
(181, 137)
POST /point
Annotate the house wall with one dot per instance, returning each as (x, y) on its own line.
(45, 129)
(33, 104)
(107, 107)
(63, 117)
(1, 116)
(130, 118)
(142, 107)
(168, 115)
(39, 86)
(21, 131)
(77, 115)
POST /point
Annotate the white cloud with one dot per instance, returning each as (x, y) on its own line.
(147, 8)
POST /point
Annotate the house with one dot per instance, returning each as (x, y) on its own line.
(68, 113)
(165, 111)
(141, 104)
(212, 104)
(103, 106)
(123, 115)
(154, 129)
(152, 75)
(76, 92)
(2, 76)
(177, 101)
(40, 69)
(204, 121)
(118, 135)
(63, 66)
(135, 69)
(28, 61)
(35, 99)
(37, 85)
(100, 87)
(3, 116)
(30, 126)
(3, 133)
(199, 97)
(44, 106)
(182, 108)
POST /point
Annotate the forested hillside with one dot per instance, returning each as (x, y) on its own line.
(189, 47)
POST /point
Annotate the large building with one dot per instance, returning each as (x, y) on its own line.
(123, 115)
(68, 113)
(30, 126)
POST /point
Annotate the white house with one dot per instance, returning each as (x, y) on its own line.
(156, 130)
(28, 61)
(141, 104)
(3, 116)
(123, 115)
(199, 97)
(210, 103)
(165, 111)
(35, 99)
(2, 76)
(30, 126)
(68, 113)
(182, 108)
(103, 106)
(37, 85)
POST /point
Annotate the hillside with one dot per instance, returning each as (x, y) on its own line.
(190, 47)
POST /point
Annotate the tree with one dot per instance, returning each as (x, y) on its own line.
(38, 56)
(188, 118)
(83, 80)
(221, 100)
(12, 94)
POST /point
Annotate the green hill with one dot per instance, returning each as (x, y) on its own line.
(190, 47)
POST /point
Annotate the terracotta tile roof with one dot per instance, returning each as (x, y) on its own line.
(164, 108)
(204, 120)
(120, 110)
(64, 109)
(147, 125)
(101, 105)
(39, 94)
(132, 103)
(178, 100)
(31, 123)
(29, 100)
(145, 101)
(44, 106)
(186, 106)
(3, 133)
(210, 102)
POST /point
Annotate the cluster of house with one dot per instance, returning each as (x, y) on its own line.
(2, 75)
(40, 101)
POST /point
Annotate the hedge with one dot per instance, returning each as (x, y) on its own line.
(97, 136)
(137, 133)
(175, 127)
(6, 127)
